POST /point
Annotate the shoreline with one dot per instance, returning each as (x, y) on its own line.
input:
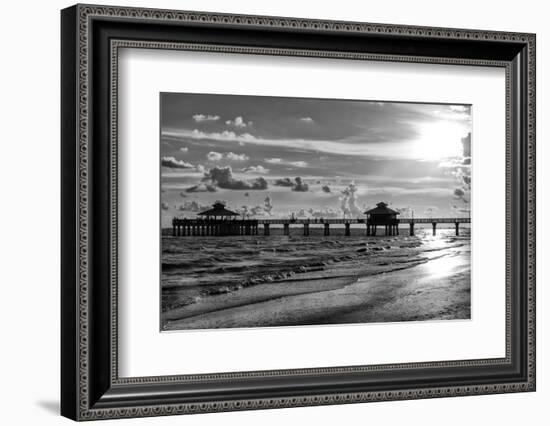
(435, 286)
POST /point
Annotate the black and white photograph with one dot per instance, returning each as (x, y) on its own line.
(283, 211)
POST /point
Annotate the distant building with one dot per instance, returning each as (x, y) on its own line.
(382, 215)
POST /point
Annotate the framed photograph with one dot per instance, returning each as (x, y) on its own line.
(263, 212)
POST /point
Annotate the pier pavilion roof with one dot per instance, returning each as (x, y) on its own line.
(381, 208)
(218, 209)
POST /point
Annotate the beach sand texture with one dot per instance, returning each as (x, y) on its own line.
(240, 282)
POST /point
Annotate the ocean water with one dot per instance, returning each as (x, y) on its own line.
(212, 277)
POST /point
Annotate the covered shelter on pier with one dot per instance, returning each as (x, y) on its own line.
(217, 221)
(218, 211)
(382, 215)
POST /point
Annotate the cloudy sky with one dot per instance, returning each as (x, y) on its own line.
(274, 156)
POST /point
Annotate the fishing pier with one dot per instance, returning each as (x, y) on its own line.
(219, 221)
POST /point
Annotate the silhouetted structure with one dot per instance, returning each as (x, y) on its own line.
(217, 221)
(382, 215)
(218, 210)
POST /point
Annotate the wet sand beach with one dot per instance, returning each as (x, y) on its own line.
(315, 280)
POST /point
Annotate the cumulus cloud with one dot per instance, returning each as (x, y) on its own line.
(325, 213)
(164, 206)
(284, 182)
(244, 211)
(238, 122)
(403, 211)
(285, 162)
(459, 194)
(184, 149)
(236, 157)
(222, 177)
(306, 119)
(214, 156)
(268, 205)
(348, 201)
(201, 187)
(460, 168)
(255, 169)
(256, 210)
(217, 156)
(175, 164)
(226, 135)
(202, 117)
(193, 206)
(300, 185)
(326, 189)
(297, 184)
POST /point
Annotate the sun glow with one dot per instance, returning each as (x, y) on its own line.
(439, 141)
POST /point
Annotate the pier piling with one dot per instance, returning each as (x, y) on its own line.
(306, 229)
(456, 229)
(327, 229)
(347, 232)
(411, 229)
(266, 229)
(286, 229)
(434, 224)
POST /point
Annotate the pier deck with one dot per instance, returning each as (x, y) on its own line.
(343, 221)
(226, 227)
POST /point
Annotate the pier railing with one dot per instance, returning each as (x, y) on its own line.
(226, 227)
